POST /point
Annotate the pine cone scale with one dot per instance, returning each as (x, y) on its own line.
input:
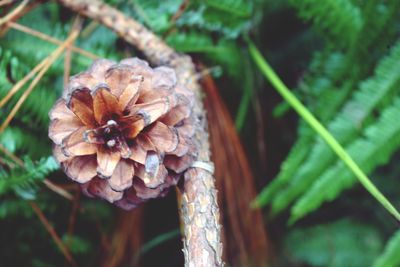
(105, 105)
(81, 104)
(76, 145)
(107, 161)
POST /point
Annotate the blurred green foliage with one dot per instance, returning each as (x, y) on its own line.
(351, 84)
(337, 244)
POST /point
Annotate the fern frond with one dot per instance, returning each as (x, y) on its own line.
(228, 18)
(323, 86)
(377, 34)
(316, 88)
(156, 14)
(288, 168)
(192, 42)
(390, 256)
(346, 127)
(381, 140)
(340, 19)
(337, 244)
(237, 8)
(222, 51)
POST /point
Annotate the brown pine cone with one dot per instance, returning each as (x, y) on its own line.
(124, 131)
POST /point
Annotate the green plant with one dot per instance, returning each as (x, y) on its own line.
(347, 56)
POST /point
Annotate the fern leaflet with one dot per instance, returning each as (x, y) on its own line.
(340, 19)
(390, 256)
(381, 140)
(346, 126)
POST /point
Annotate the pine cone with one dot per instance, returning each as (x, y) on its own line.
(124, 131)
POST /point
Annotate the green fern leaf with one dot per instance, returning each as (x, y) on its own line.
(237, 8)
(340, 19)
(296, 156)
(227, 17)
(346, 127)
(390, 256)
(381, 140)
(338, 244)
(316, 88)
(222, 51)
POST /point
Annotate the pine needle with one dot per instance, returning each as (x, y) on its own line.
(50, 39)
(46, 65)
(53, 233)
(55, 188)
(68, 53)
(22, 82)
(11, 156)
(14, 13)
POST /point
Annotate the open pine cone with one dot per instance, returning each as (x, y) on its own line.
(124, 131)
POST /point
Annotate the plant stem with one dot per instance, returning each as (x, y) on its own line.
(277, 83)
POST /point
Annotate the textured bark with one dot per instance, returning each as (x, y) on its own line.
(202, 245)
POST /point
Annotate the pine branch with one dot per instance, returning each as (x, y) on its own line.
(202, 246)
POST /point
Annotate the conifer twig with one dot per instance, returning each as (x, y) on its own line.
(55, 188)
(200, 212)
